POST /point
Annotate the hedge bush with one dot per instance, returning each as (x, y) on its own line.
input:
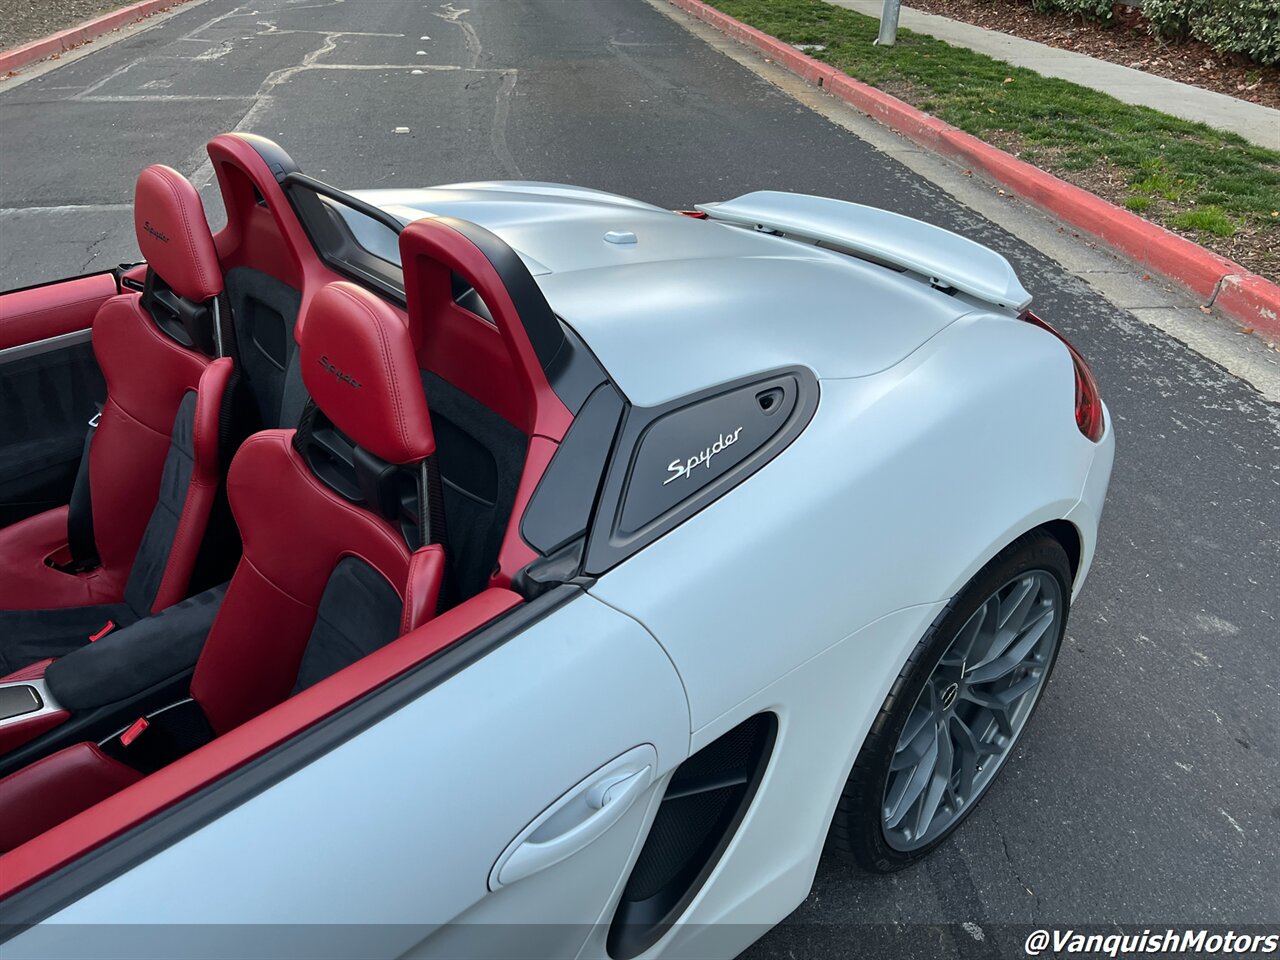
(1088, 9)
(1249, 27)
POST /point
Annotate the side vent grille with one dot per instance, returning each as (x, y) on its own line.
(705, 801)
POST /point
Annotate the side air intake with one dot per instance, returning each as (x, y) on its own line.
(705, 802)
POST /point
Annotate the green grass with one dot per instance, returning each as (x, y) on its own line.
(1206, 182)
(1209, 219)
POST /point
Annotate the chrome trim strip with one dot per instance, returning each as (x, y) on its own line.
(24, 350)
(50, 703)
(217, 328)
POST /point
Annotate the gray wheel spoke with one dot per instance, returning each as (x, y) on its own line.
(1015, 651)
(969, 753)
(969, 633)
(1006, 699)
(926, 710)
(1013, 610)
(938, 782)
(913, 785)
(994, 708)
(1001, 704)
(911, 751)
(990, 646)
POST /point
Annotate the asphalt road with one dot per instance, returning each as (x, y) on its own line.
(1146, 791)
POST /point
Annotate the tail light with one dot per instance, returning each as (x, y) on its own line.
(1089, 417)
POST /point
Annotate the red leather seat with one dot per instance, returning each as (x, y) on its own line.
(327, 574)
(154, 465)
(59, 786)
(338, 559)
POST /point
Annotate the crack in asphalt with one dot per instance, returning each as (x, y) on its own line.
(1035, 897)
(501, 113)
(92, 252)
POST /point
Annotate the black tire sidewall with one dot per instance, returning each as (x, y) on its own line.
(856, 830)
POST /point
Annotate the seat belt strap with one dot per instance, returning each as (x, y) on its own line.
(437, 532)
(80, 539)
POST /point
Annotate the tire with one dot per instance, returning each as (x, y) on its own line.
(862, 830)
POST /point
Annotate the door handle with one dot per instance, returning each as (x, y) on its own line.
(579, 817)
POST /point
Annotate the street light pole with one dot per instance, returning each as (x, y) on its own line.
(889, 23)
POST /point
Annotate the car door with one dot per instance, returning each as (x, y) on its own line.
(50, 387)
(496, 815)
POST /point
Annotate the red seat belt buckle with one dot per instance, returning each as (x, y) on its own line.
(134, 731)
(111, 625)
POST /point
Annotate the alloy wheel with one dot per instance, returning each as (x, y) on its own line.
(972, 709)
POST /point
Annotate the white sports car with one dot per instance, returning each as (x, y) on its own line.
(514, 569)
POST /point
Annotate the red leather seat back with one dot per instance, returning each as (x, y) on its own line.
(148, 374)
(295, 532)
(359, 367)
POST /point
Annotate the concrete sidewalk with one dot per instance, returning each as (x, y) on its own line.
(1257, 124)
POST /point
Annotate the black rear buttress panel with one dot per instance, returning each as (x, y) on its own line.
(673, 460)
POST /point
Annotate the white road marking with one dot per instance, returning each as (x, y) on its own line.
(1232, 820)
(69, 208)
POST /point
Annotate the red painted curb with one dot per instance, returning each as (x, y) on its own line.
(75, 36)
(1252, 301)
(1248, 298)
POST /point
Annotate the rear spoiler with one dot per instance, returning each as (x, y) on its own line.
(942, 258)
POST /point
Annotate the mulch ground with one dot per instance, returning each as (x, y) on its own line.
(1126, 42)
(24, 20)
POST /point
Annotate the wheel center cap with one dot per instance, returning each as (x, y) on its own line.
(949, 695)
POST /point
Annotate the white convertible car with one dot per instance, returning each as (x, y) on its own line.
(513, 569)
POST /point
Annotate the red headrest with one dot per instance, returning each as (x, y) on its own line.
(174, 234)
(359, 366)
